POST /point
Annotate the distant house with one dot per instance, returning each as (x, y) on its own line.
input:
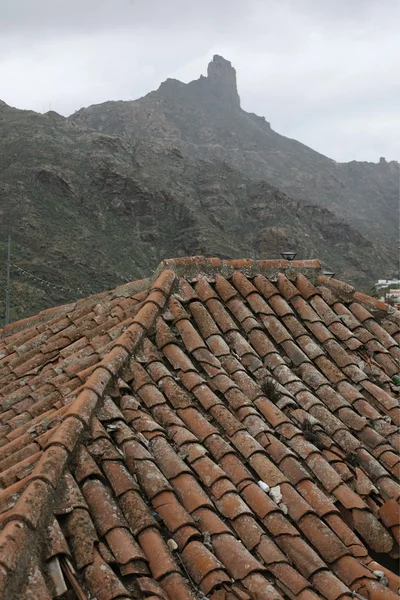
(392, 297)
(383, 283)
(389, 291)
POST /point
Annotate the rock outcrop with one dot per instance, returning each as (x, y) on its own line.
(204, 120)
(221, 80)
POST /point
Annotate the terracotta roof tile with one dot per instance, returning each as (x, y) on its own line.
(126, 550)
(29, 505)
(330, 586)
(237, 560)
(390, 513)
(136, 512)
(102, 581)
(220, 421)
(105, 512)
(276, 330)
(36, 587)
(203, 566)
(50, 465)
(305, 559)
(371, 302)
(160, 559)
(259, 305)
(306, 288)
(19, 471)
(243, 284)
(320, 331)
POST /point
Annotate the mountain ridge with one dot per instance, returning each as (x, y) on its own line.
(212, 126)
(88, 208)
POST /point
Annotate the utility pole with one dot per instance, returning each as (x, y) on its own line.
(8, 287)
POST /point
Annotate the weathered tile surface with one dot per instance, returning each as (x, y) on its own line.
(227, 430)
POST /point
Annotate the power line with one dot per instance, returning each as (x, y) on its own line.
(56, 285)
(46, 282)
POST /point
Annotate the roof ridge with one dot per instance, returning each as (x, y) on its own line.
(185, 266)
(191, 266)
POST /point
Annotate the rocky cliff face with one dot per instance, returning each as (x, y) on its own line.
(221, 81)
(203, 119)
(88, 210)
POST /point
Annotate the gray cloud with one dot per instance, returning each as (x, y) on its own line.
(322, 72)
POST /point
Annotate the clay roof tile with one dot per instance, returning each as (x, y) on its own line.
(305, 287)
(199, 450)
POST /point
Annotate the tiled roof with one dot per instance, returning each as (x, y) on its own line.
(226, 430)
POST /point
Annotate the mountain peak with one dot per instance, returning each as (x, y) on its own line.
(220, 83)
(221, 76)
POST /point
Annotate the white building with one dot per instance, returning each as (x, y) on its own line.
(382, 283)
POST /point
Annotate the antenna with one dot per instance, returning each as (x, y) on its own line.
(8, 286)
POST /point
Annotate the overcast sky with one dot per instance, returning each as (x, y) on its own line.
(325, 72)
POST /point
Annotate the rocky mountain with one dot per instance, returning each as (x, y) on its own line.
(103, 196)
(203, 119)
